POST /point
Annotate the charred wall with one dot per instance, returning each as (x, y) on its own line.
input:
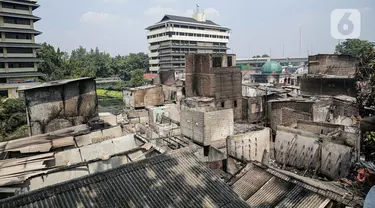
(61, 106)
(275, 108)
(328, 86)
(331, 64)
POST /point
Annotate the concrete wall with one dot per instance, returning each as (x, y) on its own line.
(141, 97)
(296, 150)
(235, 105)
(328, 86)
(206, 127)
(304, 150)
(332, 64)
(250, 146)
(61, 106)
(317, 127)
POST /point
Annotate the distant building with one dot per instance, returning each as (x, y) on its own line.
(291, 64)
(174, 36)
(18, 62)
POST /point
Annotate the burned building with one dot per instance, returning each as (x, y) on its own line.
(216, 76)
(140, 97)
(325, 148)
(206, 126)
(60, 104)
(330, 74)
(286, 111)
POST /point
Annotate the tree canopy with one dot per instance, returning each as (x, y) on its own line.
(92, 63)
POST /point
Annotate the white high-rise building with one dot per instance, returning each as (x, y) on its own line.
(174, 36)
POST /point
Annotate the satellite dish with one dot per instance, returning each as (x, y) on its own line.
(370, 199)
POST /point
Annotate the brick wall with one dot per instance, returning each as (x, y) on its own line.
(275, 109)
(332, 64)
(328, 86)
(253, 109)
(290, 116)
(218, 124)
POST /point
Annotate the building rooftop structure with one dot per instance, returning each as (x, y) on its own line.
(272, 67)
(169, 180)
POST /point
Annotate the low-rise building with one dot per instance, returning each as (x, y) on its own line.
(60, 104)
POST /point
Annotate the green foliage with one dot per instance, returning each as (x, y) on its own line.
(354, 47)
(265, 56)
(54, 63)
(365, 71)
(88, 63)
(257, 56)
(137, 78)
(12, 115)
(109, 93)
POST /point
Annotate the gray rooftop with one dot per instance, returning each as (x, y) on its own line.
(178, 179)
(185, 19)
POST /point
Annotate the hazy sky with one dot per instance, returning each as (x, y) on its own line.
(258, 26)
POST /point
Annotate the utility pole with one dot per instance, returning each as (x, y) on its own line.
(300, 40)
(283, 51)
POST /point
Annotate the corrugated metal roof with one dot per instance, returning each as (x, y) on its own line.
(261, 188)
(265, 187)
(170, 180)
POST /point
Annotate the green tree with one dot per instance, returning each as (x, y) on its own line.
(137, 78)
(354, 47)
(12, 115)
(257, 56)
(265, 56)
(54, 64)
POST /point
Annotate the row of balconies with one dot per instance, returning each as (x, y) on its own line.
(17, 11)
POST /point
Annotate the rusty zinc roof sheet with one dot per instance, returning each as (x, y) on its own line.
(265, 187)
(262, 189)
(178, 179)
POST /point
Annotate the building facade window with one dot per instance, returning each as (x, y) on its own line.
(18, 36)
(17, 21)
(15, 6)
(20, 50)
(21, 65)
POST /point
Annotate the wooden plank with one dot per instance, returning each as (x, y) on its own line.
(63, 142)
